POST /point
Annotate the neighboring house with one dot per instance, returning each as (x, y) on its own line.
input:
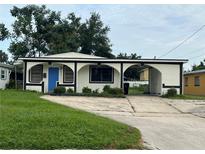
(5, 71)
(76, 70)
(194, 83)
(144, 74)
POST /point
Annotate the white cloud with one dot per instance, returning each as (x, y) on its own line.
(150, 30)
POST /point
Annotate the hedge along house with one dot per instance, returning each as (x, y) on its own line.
(76, 70)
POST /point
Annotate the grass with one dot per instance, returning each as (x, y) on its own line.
(187, 97)
(137, 90)
(28, 122)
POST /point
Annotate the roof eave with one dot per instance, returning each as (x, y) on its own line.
(106, 60)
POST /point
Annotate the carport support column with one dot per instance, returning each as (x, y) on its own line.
(121, 73)
(75, 75)
(181, 79)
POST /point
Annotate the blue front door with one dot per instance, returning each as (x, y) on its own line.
(53, 74)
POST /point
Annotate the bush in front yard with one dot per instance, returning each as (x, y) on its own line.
(96, 91)
(59, 90)
(86, 90)
(112, 91)
(106, 88)
(115, 91)
(171, 92)
(70, 91)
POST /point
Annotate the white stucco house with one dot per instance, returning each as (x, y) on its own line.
(5, 71)
(76, 70)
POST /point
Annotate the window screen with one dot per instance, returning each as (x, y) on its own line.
(36, 74)
(67, 74)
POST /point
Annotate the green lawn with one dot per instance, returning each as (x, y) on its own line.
(28, 122)
(142, 89)
(191, 97)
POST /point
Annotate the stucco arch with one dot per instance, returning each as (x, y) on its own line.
(70, 65)
(31, 64)
(114, 66)
(128, 65)
(155, 77)
(83, 77)
(81, 65)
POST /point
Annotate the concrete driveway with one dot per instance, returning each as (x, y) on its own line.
(164, 123)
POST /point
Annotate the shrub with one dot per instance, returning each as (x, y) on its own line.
(70, 91)
(171, 92)
(59, 90)
(96, 91)
(86, 90)
(115, 91)
(11, 84)
(106, 88)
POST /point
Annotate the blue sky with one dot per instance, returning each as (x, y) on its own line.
(148, 30)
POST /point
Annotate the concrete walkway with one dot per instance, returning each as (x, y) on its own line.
(164, 123)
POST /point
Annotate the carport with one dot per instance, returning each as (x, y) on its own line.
(143, 79)
(163, 74)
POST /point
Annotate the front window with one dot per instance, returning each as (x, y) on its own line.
(36, 74)
(197, 81)
(67, 74)
(101, 74)
(3, 74)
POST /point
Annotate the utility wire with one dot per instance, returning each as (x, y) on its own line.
(197, 56)
(195, 51)
(183, 41)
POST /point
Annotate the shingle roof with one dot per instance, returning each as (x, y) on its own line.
(5, 65)
(73, 55)
(195, 72)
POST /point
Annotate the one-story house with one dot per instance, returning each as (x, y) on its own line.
(194, 83)
(76, 70)
(5, 71)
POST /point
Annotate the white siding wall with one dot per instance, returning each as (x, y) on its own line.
(3, 82)
(83, 80)
(35, 88)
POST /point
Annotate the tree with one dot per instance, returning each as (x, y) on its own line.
(65, 36)
(19, 49)
(94, 39)
(39, 31)
(199, 67)
(125, 56)
(3, 57)
(4, 33)
(30, 30)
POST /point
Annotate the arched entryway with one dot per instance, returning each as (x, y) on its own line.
(96, 76)
(143, 79)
